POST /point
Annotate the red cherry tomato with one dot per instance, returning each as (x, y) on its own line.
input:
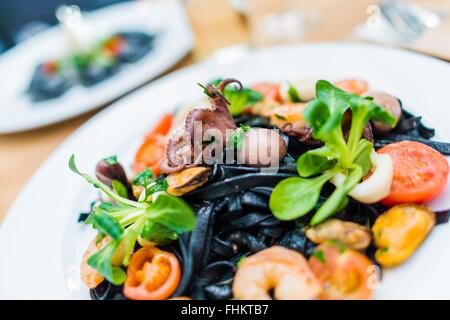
(270, 91)
(420, 172)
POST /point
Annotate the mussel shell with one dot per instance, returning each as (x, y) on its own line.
(187, 180)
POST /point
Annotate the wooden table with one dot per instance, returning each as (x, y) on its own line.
(215, 25)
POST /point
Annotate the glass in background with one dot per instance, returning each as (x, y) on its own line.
(289, 21)
(276, 22)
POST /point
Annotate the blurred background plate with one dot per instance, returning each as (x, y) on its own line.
(41, 243)
(174, 41)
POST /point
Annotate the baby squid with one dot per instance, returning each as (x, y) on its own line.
(399, 231)
(262, 148)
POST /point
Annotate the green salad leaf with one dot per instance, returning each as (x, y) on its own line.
(106, 224)
(173, 213)
(119, 188)
(339, 196)
(158, 233)
(294, 197)
(101, 261)
(315, 161)
(124, 220)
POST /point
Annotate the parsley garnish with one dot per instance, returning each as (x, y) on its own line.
(237, 137)
(111, 160)
(319, 255)
(293, 94)
(144, 178)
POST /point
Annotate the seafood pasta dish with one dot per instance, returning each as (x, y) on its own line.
(306, 189)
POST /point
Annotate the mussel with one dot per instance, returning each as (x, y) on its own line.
(187, 180)
(352, 234)
(399, 231)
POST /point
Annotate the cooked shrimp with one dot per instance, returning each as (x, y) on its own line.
(289, 117)
(272, 98)
(282, 270)
(89, 275)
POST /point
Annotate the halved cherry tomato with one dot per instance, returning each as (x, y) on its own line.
(357, 86)
(154, 147)
(420, 172)
(150, 154)
(152, 274)
(270, 91)
(164, 125)
(344, 273)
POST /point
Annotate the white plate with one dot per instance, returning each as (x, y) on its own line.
(164, 17)
(41, 243)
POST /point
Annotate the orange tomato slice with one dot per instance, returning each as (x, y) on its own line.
(150, 154)
(152, 274)
(154, 147)
(164, 125)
